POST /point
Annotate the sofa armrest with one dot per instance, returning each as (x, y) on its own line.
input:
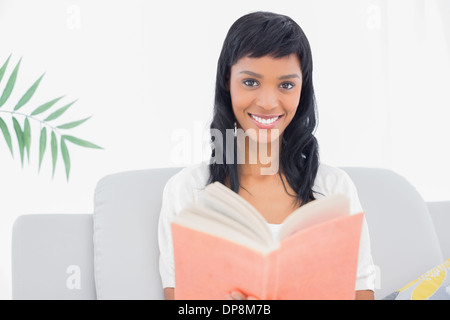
(52, 257)
(440, 214)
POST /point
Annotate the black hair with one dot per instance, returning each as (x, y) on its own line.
(255, 35)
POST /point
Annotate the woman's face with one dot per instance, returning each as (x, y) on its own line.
(265, 93)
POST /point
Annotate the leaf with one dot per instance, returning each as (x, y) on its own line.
(20, 138)
(54, 147)
(27, 137)
(59, 112)
(45, 106)
(42, 145)
(71, 125)
(10, 85)
(66, 158)
(3, 68)
(27, 96)
(80, 142)
(7, 135)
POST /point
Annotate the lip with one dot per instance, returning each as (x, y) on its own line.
(265, 116)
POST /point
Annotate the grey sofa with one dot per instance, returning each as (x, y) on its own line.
(112, 253)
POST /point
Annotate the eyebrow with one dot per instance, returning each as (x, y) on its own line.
(257, 75)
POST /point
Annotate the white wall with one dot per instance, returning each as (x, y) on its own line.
(145, 71)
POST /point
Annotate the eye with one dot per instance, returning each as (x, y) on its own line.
(287, 85)
(250, 81)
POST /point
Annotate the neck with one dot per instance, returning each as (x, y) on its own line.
(259, 160)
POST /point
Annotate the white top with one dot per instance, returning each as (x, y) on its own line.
(274, 229)
(184, 187)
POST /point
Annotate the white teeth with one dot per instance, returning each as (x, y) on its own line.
(265, 121)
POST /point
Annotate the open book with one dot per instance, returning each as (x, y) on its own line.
(222, 243)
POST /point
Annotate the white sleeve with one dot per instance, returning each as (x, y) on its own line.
(168, 211)
(179, 190)
(365, 276)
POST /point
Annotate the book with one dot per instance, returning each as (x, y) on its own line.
(222, 243)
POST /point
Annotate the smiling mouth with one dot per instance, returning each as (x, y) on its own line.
(265, 121)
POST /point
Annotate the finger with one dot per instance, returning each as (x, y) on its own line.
(236, 295)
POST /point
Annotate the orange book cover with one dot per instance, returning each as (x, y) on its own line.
(222, 244)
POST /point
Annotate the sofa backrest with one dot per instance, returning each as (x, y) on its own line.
(126, 252)
(126, 212)
(440, 214)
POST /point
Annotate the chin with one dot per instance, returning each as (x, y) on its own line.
(263, 135)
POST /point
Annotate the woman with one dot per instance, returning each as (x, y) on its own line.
(264, 88)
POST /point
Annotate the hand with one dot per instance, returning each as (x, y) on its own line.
(238, 295)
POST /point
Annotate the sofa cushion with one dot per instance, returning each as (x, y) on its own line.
(52, 257)
(432, 285)
(126, 213)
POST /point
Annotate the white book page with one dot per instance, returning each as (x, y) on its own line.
(214, 223)
(222, 199)
(313, 213)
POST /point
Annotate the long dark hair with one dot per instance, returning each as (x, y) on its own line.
(258, 34)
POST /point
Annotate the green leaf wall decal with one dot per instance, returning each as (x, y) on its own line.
(45, 106)
(3, 68)
(20, 138)
(71, 125)
(49, 134)
(10, 85)
(6, 135)
(42, 145)
(27, 96)
(54, 148)
(80, 142)
(27, 137)
(66, 158)
(59, 112)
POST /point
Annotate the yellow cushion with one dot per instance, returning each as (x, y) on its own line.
(432, 285)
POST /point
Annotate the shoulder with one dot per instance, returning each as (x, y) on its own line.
(195, 175)
(331, 179)
(186, 182)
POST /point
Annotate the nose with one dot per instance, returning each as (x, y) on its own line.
(267, 99)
